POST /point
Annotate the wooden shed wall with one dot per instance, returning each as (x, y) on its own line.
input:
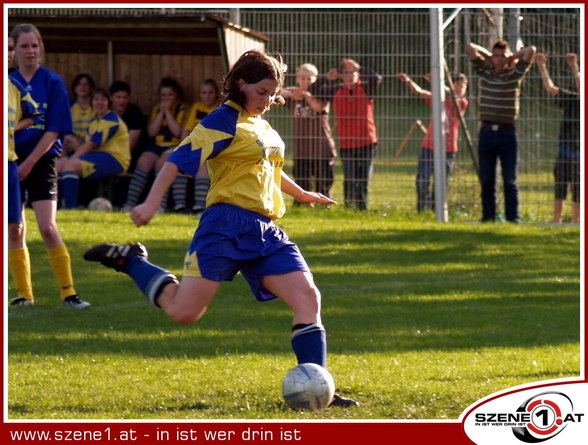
(142, 72)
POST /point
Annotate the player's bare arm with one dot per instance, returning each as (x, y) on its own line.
(527, 54)
(142, 214)
(42, 147)
(291, 188)
(548, 84)
(475, 51)
(413, 86)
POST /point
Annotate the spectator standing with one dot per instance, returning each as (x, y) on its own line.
(501, 75)
(567, 164)
(353, 105)
(425, 196)
(314, 148)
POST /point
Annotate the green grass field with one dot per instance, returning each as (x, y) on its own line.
(423, 319)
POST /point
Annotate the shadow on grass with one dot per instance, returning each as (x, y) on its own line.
(383, 291)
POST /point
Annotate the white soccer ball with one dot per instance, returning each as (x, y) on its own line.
(309, 387)
(101, 204)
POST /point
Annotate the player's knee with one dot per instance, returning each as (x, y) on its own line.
(49, 232)
(311, 299)
(15, 232)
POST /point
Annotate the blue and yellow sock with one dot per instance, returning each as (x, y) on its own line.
(179, 188)
(309, 342)
(136, 187)
(201, 187)
(150, 279)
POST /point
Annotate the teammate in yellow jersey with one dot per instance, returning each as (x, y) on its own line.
(236, 232)
(105, 152)
(22, 113)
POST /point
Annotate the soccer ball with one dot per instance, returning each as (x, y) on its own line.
(101, 204)
(308, 387)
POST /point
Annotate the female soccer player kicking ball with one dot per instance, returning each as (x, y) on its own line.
(236, 232)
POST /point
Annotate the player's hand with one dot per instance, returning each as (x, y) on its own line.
(312, 198)
(165, 106)
(24, 170)
(142, 214)
(541, 58)
(298, 94)
(402, 77)
(333, 74)
(570, 58)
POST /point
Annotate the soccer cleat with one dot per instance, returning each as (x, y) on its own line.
(74, 301)
(21, 301)
(345, 402)
(113, 255)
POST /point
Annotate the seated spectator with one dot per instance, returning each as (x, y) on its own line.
(105, 152)
(165, 128)
(131, 114)
(209, 101)
(81, 111)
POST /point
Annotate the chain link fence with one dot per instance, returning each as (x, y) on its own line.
(392, 40)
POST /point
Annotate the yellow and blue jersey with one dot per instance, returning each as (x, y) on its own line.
(165, 138)
(111, 135)
(197, 112)
(20, 105)
(81, 118)
(244, 155)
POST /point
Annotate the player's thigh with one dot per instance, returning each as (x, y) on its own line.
(296, 289)
(147, 161)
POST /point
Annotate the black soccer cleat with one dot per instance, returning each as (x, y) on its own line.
(345, 402)
(113, 255)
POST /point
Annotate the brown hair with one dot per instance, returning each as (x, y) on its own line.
(253, 67)
(25, 28)
(501, 44)
(102, 92)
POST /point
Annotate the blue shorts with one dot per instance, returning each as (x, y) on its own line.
(158, 149)
(99, 164)
(14, 201)
(230, 239)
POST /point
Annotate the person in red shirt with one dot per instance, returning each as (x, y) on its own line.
(353, 105)
(425, 197)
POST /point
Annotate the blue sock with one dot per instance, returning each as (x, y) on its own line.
(70, 184)
(150, 279)
(310, 345)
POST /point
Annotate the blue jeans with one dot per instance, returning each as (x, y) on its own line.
(503, 145)
(425, 167)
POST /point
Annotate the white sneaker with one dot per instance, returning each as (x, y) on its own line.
(74, 301)
(21, 301)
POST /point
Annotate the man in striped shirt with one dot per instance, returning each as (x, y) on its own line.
(501, 75)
